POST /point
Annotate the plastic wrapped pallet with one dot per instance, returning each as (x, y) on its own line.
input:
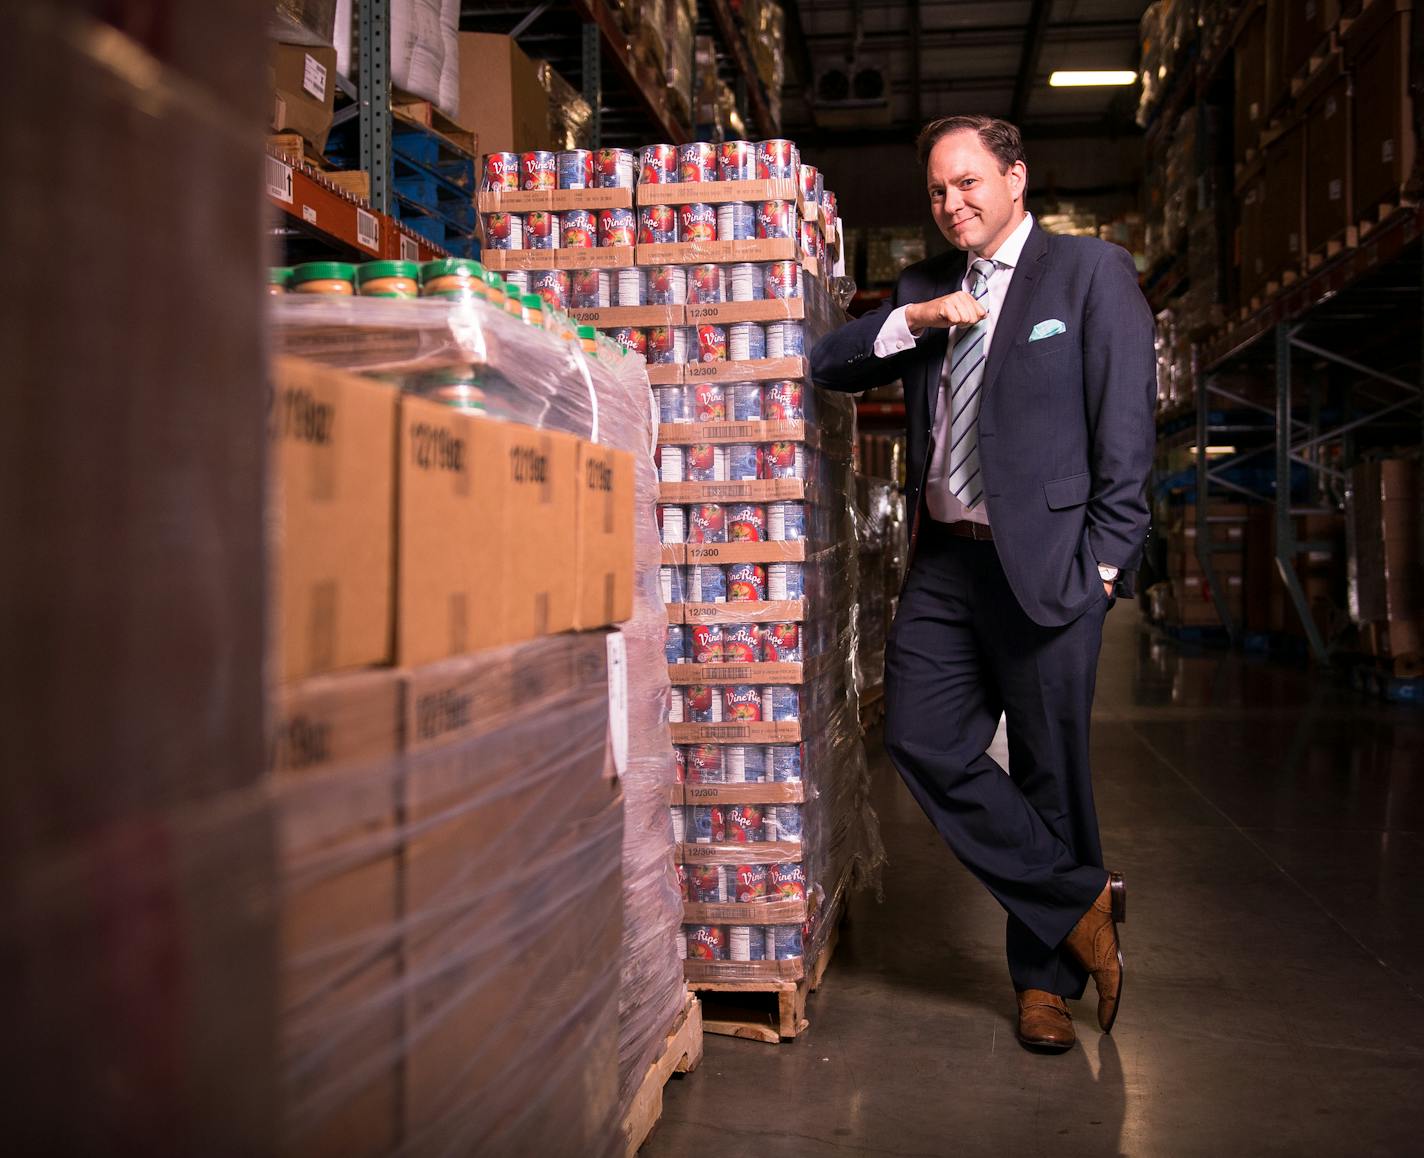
(1386, 563)
(425, 56)
(530, 377)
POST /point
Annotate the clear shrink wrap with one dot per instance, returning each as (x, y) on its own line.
(518, 372)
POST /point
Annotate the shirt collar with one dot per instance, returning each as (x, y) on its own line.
(1009, 253)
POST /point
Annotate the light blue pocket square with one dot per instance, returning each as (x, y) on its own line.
(1047, 329)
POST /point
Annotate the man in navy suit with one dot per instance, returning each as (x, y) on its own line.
(1030, 381)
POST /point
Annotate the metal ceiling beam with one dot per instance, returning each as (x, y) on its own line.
(1028, 62)
(995, 36)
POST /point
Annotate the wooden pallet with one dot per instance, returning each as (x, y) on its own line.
(770, 1011)
(419, 112)
(681, 1054)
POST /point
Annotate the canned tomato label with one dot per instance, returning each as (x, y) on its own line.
(671, 464)
(630, 287)
(520, 279)
(746, 523)
(706, 462)
(553, 285)
(711, 343)
(808, 183)
(745, 765)
(785, 522)
(501, 173)
(783, 401)
(785, 340)
(707, 523)
(697, 222)
(742, 704)
(784, 460)
(784, 763)
(777, 159)
(679, 836)
(705, 765)
(785, 581)
(781, 643)
(706, 943)
(736, 221)
(752, 881)
(746, 943)
(657, 165)
(709, 402)
(707, 884)
(670, 584)
(780, 705)
(575, 169)
(706, 647)
(617, 227)
(663, 346)
(706, 285)
(741, 642)
(672, 405)
(667, 285)
(707, 823)
(707, 583)
(579, 228)
(783, 943)
(746, 401)
(541, 229)
(786, 882)
(697, 161)
(783, 822)
(504, 231)
(746, 342)
(634, 340)
(538, 170)
(704, 704)
(591, 289)
(746, 583)
(744, 823)
(783, 279)
(679, 761)
(830, 208)
(677, 706)
(672, 524)
(657, 224)
(775, 219)
(614, 169)
(744, 462)
(675, 642)
(745, 282)
(808, 233)
(736, 161)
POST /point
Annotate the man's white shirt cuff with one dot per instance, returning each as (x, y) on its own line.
(894, 336)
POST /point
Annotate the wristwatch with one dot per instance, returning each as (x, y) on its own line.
(1107, 573)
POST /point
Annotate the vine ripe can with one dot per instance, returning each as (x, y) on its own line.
(707, 943)
(616, 227)
(501, 173)
(741, 703)
(538, 169)
(707, 523)
(712, 345)
(775, 219)
(657, 224)
(591, 289)
(579, 228)
(542, 229)
(575, 169)
(614, 169)
(709, 402)
(744, 462)
(777, 159)
(697, 222)
(736, 221)
(737, 161)
(746, 523)
(658, 165)
(746, 583)
(697, 161)
(781, 643)
(744, 823)
(504, 230)
(741, 642)
(706, 285)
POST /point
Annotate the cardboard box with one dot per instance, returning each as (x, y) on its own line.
(302, 78)
(1377, 53)
(1250, 63)
(1307, 25)
(333, 507)
(1252, 239)
(501, 99)
(1283, 222)
(604, 560)
(1329, 209)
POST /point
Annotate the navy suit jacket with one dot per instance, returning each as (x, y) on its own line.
(1066, 426)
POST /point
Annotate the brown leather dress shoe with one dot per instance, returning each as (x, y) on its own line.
(1094, 943)
(1044, 1021)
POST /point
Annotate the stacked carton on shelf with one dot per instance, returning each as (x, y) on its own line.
(1386, 563)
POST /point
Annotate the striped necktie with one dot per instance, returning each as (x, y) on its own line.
(966, 376)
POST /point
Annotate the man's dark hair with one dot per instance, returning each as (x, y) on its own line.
(999, 137)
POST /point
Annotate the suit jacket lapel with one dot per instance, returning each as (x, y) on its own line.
(950, 277)
(1025, 281)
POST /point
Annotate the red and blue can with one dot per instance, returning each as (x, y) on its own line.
(781, 643)
(675, 644)
(785, 340)
(785, 763)
(617, 227)
(785, 522)
(746, 764)
(504, 231)
(591, 289)
(671, 463)
(697, 222)
(657, 165)
(706, 461)
(741, 642)
(751, 884)
(501, 173)
(810, 237)
(736, 221)
(709, 402)
(574, 168)
(706, 642)
(657, 224)
(667, 345)
(707, 583)
(667, 285)
(777, 158)
(697, 161)
(736, 161)
(744, 281)
(630, 287)
(830, 207)
(538, 169)
(775, 219)
(787, 882)
(707, 523)
(783, 943)
(633, 340)
(746, 342)
(712, 344)
(706, 285)
(809, 183)
(783, 279)
(553, 286)
(746, 523)
(707, 884)
(783, 822)
(785, 581)
(744, 462)
(705, 764)
(672, 524)
(679, 835)
(780, 705)
(542, 228)
(784, 460)
(707, 943)
(746, 942)
(783, 401)
(746, 583)
(746, 402)
(672, 404)
(704, 704)
(744, 823)
(579, 228)
(614, 169)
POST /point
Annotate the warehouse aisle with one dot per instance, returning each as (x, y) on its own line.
(1271, 828)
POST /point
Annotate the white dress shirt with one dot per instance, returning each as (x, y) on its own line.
(895, 336)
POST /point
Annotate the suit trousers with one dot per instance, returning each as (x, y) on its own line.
(961, 653)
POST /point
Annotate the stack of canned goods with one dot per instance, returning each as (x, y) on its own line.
(738, 643)
(539, 170)
(702, 161)
(733, 703)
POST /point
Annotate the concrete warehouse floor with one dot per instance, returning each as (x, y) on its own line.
(1271, 830)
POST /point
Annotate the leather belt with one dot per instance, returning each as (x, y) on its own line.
(964, 529)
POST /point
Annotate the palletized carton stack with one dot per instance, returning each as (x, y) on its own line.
(1386, 563)
(1192, 603)
(449, 727)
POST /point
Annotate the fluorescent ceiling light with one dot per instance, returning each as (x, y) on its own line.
(1090, 79)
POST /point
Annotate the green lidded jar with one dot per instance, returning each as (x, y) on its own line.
(279, 278)
(388, 279)
(324, 277)
(453, 277)
(458, 389)
(588, 339)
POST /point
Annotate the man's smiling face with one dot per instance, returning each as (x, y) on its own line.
(973, 200)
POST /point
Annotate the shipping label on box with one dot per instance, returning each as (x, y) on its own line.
(604, 559)
(302, 96)
(333, 510)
